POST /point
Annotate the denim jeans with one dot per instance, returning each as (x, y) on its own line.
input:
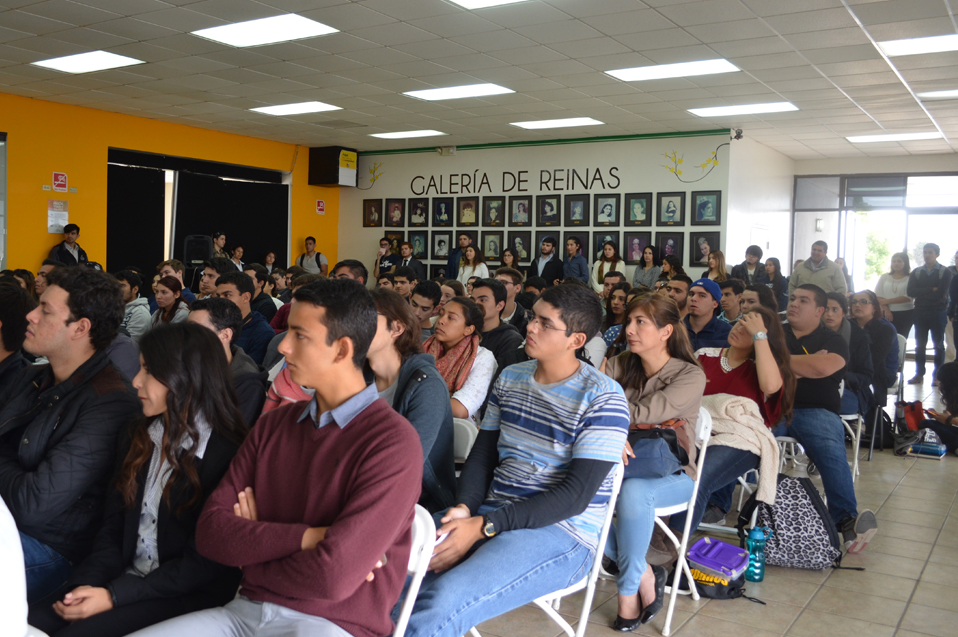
(934, 320)
(822, 434)
(635, 518)
(47, 570)
(503, 573)
(722, 467)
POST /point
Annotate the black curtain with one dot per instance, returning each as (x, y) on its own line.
(252, 214)
(134, 218)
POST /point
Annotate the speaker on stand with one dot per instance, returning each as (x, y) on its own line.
(197, 248)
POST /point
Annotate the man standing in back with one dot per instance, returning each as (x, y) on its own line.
(818, 270)
(752, 270)
(929, 286)
(549, 264)
(68, 251)
(312, 261)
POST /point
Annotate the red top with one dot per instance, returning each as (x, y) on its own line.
(741, 381)
(361, 480)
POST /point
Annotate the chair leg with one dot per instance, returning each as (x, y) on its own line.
(556, 617)
(473, 632)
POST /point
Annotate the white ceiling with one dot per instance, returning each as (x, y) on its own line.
(818, 54)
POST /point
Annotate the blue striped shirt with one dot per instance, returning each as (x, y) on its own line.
(542, 428)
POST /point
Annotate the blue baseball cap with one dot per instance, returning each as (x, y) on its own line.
(710, 286)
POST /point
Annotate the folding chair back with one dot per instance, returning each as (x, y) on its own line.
(464, 436)
(423, 541)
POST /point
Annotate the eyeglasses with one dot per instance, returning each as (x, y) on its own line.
(539, 322)
(859, 302)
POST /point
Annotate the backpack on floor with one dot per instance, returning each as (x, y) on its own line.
(803, 534)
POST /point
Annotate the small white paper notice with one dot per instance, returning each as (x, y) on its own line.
(58, 215)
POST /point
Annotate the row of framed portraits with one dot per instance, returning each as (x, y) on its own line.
(438, 243)
(550, 210)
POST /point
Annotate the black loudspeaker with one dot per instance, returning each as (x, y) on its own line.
(197, 248)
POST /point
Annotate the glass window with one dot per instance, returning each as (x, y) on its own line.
(863, 193)
(816, 193)
(932, 192)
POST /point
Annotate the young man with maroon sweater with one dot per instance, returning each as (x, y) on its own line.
(317, 494)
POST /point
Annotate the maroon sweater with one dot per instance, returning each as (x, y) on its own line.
(362, 481)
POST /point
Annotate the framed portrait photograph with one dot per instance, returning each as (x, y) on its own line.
(468, 209)
(420, 244)
(437, 271)
(599, 239)
(700, 245)
(395, 213)
(670, 243)
(635, 245)
(606, 210)
(671, 209)
(418, 212)
(638, 209)
(442, 213)
(583, 237)
(577, 210)
(440, 244)
(492, 244)
(494, 211)
(372, 213)
(521, 242)
(520, 211)
(547, 210)
(396, 238)
(707, 208)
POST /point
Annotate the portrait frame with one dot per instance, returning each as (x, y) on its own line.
(584, 237)
(631, 198)
(678, 244)
(695, 255)
(423, 237)
(465, 219)
(372, 213)
(418, 204)
(437, 271)
(436, 252)
(440, 205)
(526, 237)
(578, 203)
(645, 240)
(489, 236)
(390, 220)
(662, 208)
(489, 205)
(599, 237)
(544, 220)
(396, 238)
(515, 220)
(600, 201)
(701, 198)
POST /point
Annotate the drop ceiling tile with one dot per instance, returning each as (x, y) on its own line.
(33, 24)
(409, 10)
(529, 55)
(330, 64)
(200, 82)
(240, 76)
(472, 62)
(70, 12)
(741, 90)
(867, 79)
(681, 54)
(490, 41)
(239, 90)
(12, 79)
(911, 29)
(851, 68)
(604, 63)
(438, 49)
(380, 56)
(45, 47)
(456, 25)
(899, 10)
(126, 7)
(768, 8)
(10, 35)
(750, 47)
(91, 39)
(133, 29)
(730, 31)
(393, 34)
(504, 75)
(769, 61)
(338, 43)
(663, 39)
(194, 64)
(637, 21)
(234, 10)
(560, 67)
(181, 19)
(848, 53)
(812, 21)
(146, 52)
(420, 68)
(595, 82)
(564, 31)
(288, 50)
(928, 61)
(522, 15)
(827, 39)
(706, 12)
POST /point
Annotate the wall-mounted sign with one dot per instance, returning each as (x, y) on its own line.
(59, 182)
(58, 215)
(320, 207)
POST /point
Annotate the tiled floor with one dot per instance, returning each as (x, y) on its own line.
(909, 587)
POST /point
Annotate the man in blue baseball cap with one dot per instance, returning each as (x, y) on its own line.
(705, 328)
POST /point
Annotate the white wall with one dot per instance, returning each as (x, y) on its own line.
(866, 165)
(760, 202)
(626, 166)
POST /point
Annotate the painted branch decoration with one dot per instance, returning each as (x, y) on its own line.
(374, 174)
(676, 162)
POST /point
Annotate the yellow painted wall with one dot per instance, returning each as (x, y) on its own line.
(43, 137)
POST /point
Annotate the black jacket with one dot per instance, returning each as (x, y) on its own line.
(60, 253)
(9, 369)
(860, 371)
(553, 269)
(250, 383)
(182, 570)
(501, 340)
(417, 267)
(740, 272)
(263, 304)
(929, 289)
(519, 319)
(58, 450)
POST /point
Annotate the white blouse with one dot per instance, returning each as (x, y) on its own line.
(597, 285)
(890, 288)
(466, 272)
(473, 392)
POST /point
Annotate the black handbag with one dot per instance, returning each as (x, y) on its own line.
(657, 451)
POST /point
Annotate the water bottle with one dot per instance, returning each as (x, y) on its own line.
(756, 553)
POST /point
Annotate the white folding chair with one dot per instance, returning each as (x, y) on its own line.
(423, 541)
(464, 436)
(550, 603)
(899, 387)
(848, 420)
(35, 632)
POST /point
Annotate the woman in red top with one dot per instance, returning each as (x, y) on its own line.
(755, 365)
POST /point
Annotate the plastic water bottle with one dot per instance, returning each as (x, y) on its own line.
(756, 553)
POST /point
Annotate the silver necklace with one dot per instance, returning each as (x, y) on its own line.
(724, 362)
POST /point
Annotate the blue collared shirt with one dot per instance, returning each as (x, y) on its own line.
(343, 414)
(576, 266)
(714, 334)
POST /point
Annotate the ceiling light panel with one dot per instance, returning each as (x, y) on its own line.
(281, 28)
(88, 62)
(893, 137)
(917, 46)
(939, 95)
(484, 4)
(558, 123)
(407, 134)
(681, 69)
(744, 109)
(296, 109)
(459, 92)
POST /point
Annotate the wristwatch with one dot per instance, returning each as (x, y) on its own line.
(488, 528)
(759, 336)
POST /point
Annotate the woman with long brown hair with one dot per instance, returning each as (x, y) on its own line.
(144, 568)
(716, 270)
(608, 261)
(663, 384)
(672, 267)
(171, 307)
(473, 264)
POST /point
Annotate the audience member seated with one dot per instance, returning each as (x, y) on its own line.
(40, 283)
(212, 270)
(513, 313)
(143, 567)
(315, 496)
(716, 270)
(663, 384)
(672, 267)
(574, 264)
(777, 282)
(819, 359)
(175, 269)
(678, 290)
(752, 270)
(611, 279)
(759, 294)
(170, 306)
(312, 261)
(260, 302)
(68, 251)
(732, 290)
(281, 289)
(534, 491)
(124, 353)
(945, 424)
(497, 336)
(223, 318)
(866, 312)
(60, 424)
(351, 269)
(705, 329)
(425, 301)
(27, 281)
(404, 281)
(136, 315)
(256, 333)
(408, 380)
(892, 292)
(615, 304)
(385, 281)
(818, 270)
(473, 265)
(608, 261)
(15, 304)
(282, 314)
(647, 272)
(548, 265)
(857, 397)
(756, 366)
(466, 367)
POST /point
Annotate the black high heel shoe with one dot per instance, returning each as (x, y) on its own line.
(653, 609)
